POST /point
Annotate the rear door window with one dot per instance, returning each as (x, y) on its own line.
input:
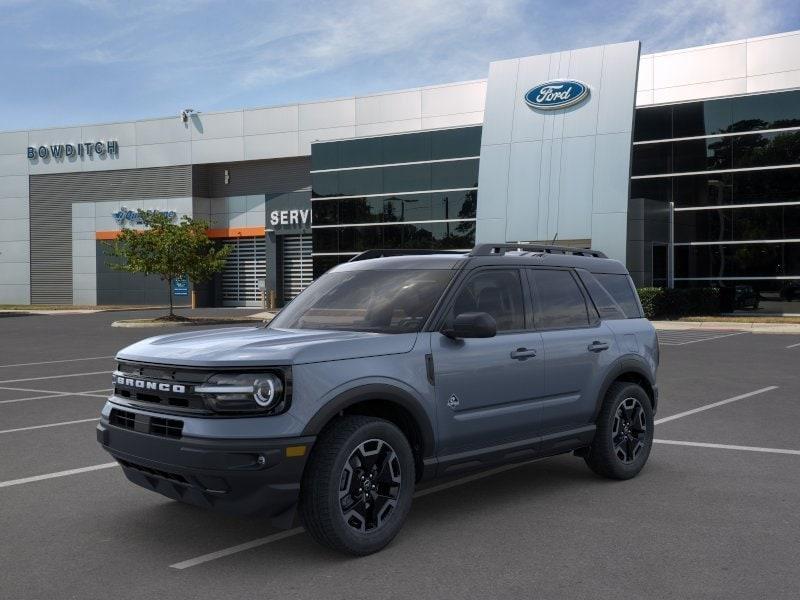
(621, 289)
(558, 301)
(607, 307)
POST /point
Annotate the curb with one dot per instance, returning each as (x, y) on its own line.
(750, 326)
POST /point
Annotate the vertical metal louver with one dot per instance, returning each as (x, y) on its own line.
(51, 198)
(297, 264)
(245, 267)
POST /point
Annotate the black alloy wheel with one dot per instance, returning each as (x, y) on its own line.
(629, 432)
(370, 485)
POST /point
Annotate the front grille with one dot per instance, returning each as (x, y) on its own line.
(171, 428)
(166, 427)
(122, 418)
(185, 402)
(151, 471)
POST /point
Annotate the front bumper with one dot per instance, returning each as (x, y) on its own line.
(244, 477)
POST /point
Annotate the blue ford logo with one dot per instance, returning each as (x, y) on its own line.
(556, 94)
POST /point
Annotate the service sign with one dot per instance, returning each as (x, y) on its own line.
(553, 95)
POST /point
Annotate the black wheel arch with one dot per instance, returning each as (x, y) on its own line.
(633, 369)
(388, 402)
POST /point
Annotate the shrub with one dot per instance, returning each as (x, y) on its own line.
(664, 303)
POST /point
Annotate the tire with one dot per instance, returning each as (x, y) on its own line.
(620, 451)
(358, 523)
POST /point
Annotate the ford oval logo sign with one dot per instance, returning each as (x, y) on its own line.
(556, 94)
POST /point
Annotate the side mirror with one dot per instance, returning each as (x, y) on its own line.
(472, 325)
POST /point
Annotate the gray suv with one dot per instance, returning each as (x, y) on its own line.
(387, 371)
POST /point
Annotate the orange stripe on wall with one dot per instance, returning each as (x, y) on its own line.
(236, 232)
(212, 233)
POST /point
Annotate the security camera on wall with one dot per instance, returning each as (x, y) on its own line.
(185, 113)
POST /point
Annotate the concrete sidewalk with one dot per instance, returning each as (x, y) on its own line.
(752, 326)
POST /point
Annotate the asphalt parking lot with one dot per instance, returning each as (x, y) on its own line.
(713, 515)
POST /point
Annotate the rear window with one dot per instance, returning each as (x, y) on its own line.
(620, 288)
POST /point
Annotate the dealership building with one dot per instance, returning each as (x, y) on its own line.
(684, 165)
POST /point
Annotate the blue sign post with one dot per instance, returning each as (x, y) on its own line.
(180, 286)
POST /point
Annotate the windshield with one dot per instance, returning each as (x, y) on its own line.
(390, 301)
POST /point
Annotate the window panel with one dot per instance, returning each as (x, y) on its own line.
(407, 178)
(324, 263)
(763, 223)
(360, 181)
(326, 212)
(702, 155)
(701, 118)
(653, 189)
(360, 210)
(325, 156)
(652, 159)
(558, 300)
(454, 143)
(495, 292)
(325, 184)
(325, 240)
(457, 174)
(414, 147)
(738, 260)
(358, 153)
(653, 123)
(766, 149)
(766, 111)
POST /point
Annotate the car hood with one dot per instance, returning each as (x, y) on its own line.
(257, 346)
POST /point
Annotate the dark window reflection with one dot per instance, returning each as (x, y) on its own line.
(738, 260)
(324, 263)
(706, 154)
(325, 240)
(324, 184)
(762, 223)
(701, 118)
(652, 159)
(325, 212)
(408, 147)
(653, 123)
(766, 149)
(729, 115)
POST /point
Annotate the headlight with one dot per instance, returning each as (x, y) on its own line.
(250, 392)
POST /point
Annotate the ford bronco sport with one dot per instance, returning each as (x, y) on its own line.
(388, 371)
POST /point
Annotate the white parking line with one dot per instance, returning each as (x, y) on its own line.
(728, 447)
(53, 394)
(57, 474)
(682, 338)
(715, 404)
(55, 376)
(50, 362)
(192, 562)
(793, 346)
(48, 425)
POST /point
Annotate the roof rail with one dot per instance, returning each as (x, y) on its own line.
(500, 249)
(377, 253)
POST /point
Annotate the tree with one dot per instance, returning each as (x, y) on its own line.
(168, 249)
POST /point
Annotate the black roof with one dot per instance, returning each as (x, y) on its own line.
(485, 254)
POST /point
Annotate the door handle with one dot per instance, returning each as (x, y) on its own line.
(597, 346)
(522, 353)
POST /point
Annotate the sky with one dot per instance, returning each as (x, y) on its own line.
(71, 62)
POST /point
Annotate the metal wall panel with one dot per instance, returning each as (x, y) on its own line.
(253, 177)
(51, 198)
(540, 169)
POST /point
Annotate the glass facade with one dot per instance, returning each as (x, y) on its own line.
(416, 191)
(732, 169)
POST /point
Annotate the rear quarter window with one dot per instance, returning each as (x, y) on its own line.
(620, 288)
